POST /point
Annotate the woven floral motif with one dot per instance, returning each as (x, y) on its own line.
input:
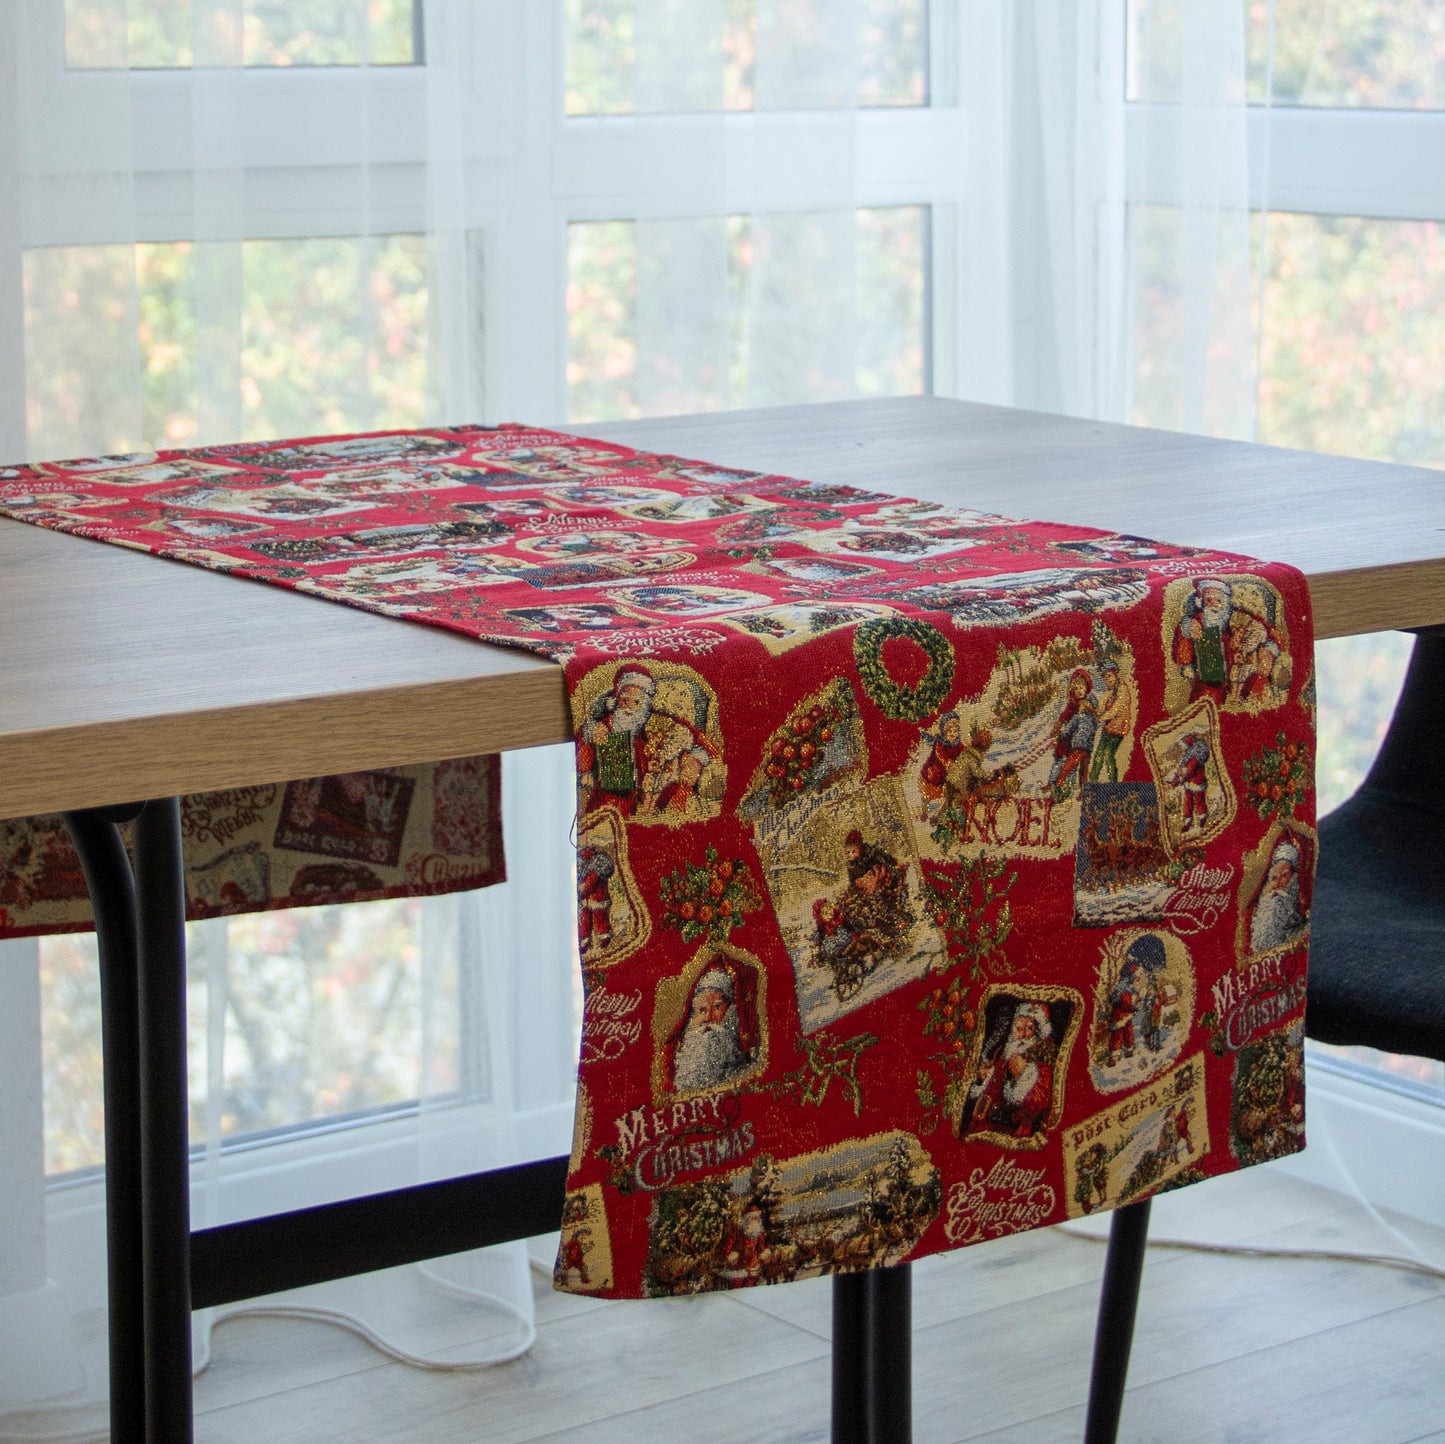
(939, 875)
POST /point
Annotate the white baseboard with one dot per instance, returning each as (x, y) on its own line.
(37, 1360)
(1364, 1141)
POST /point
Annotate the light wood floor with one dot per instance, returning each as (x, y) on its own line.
(1228, 1349)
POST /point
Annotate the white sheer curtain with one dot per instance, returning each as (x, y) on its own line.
(573, 209)
(170, 201)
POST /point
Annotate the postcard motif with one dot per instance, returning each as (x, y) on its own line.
(359, 451)
(612, 918)
(1186, 757)
(1143, 1008)
(887, 540)
(150, 471)
(600, 571)
(356, 815)
(785, 625)
(232, 879)
(1226, 639)
(1019, 1065)
(564, 545)
(394, 482)
(1002, 600)
(686, 600)
(405, 577)
(584, 1257)
(1139, 1144)
(842, 871)
(808, 572)
(648, 743)
(1122, 869)
(1275, 890)
(1267, 1118)
(1005, 771)
(863, 1203)
(710, 1024)
(275, 503)
(574, 617)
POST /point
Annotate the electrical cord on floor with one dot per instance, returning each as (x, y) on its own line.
(336, 1318)
(340, 1319)
(1241, 1250)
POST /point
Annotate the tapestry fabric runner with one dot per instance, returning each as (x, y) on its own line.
(939, 875)
(354, 837)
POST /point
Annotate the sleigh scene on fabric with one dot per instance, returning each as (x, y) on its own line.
(839, 858)
(864, 872)
(860, 1204)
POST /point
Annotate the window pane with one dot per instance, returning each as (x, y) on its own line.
(1353, 324)
(889, 60)
(1380, 54)
(1353, 333)
(1422, 1078)
(601, 320)
(322, 1019)
(333, 338)
(601, 57)
(1384, 54)
(335, 335)
(891, 301)
(1358, 680)
(158, 35)
(846, 293)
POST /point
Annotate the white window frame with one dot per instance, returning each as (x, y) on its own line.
(1380, 1143)
(300, 170)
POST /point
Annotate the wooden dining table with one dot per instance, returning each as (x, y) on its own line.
(126, 679)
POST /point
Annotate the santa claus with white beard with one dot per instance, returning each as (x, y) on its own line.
(1014, 1092)
(710, 1051)
(630, 750)
(1217, 641)
(1278, 917)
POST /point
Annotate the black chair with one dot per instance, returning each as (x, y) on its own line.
(1377, 958)
(1377, 928)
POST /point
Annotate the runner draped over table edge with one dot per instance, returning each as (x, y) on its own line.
(939, 875)
(353, 837)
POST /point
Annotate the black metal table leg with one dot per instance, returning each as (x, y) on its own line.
(873, 1357)
(112, 899)
(1118, 1302)
(165, 1121)
(140, 919)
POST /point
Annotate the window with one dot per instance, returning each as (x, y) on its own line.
(763, 225)
(883, 63)
(321, 1013)
(520, 256)
(859, 277)
(333, 337)
(1345, 133)
(159, 34)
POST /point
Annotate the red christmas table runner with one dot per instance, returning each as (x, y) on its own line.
(354, 837)
(939, 875)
